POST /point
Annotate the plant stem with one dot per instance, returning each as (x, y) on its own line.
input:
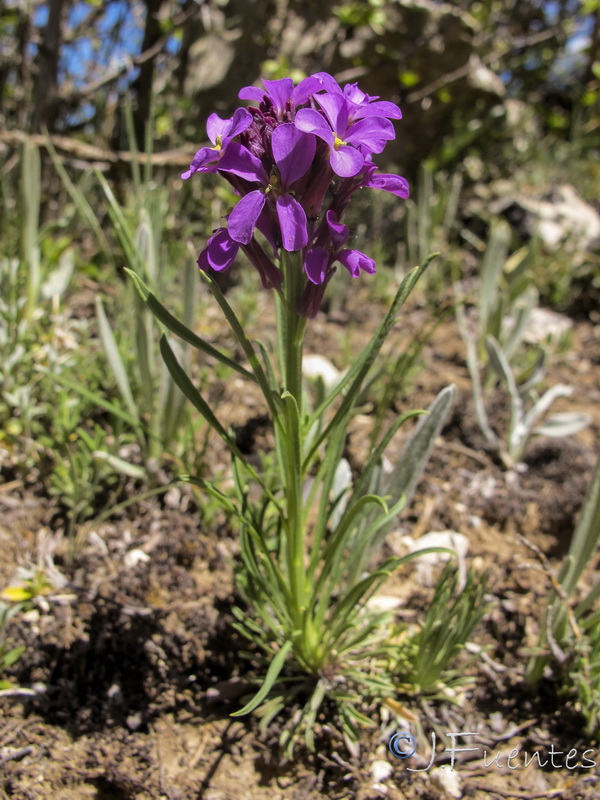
(291, 339)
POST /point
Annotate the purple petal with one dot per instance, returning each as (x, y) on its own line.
(293, 152)
(354, 94)
(310, 121)
(306, 87)
(346, 161)
(327, 81)
(242, 219)
(215, 126)
(240, 122)
(369, 133)
(316, 262)
(338, 232)
(204, 156)
(355, 261)
(219, 253)
(280, 92)
(292, 220)
(252, 93)
(372, 146)
(335, 108)
(238, 160)
(381, 108)
(388, 183)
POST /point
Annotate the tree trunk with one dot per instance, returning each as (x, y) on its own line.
(142, 86)
(46, 86)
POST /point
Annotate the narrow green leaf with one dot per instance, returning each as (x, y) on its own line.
(194, 396)
(121, 225)
(181, 330)
(270, 678)
(587, 534)
(245, 343)
(360, 592)
(13, 656)
(210, 489)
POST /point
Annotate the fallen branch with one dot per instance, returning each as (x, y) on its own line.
(91, 153)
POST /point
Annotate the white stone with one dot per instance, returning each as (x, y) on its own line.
(381, 770)
(545, 324)
(561, 217)
(134, 557)
(448, 780)
(384, 602)
(315, 366)
(426, 563)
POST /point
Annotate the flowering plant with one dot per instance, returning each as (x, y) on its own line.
(295, 158)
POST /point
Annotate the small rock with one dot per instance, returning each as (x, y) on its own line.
(450, 540)
(545, 325)
(384, 602)
(134, 557)
(559, 216)
(315, 366)
(134, 721)
(448, 780)
(381, 770)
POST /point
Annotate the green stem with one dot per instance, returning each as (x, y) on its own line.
(291, 341)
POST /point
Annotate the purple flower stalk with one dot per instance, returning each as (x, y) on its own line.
(295, 159)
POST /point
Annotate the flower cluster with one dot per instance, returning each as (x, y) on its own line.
(295, 157)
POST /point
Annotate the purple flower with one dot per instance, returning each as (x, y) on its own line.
(283, 96)
(220, 132)
(395, 184)
(316, 264)
(295, 159)
(355, 262)
(293, 152)
(348, 144)
(221, 251)
(319, 259)
(361, 105)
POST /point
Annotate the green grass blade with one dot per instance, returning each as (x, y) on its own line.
(114, 359)
(94, 397)
(80, 201)
(121, 225)
(355, 376)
